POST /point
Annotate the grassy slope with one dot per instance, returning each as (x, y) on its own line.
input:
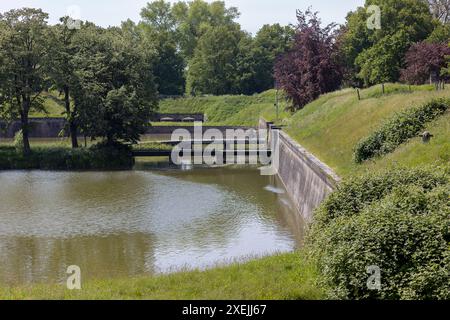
(331, 126)
(220, 110)
(228, 110)
(53, 105)
(279, 277)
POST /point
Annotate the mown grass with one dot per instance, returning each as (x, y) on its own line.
(331, 126)
(152, 146)
(229, 110)
(236, 110)
(415, 153)
(283, 277)
(53, 105)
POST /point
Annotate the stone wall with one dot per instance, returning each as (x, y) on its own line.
(167, 130)
(307, 180)
(39, 128)
(179, 117)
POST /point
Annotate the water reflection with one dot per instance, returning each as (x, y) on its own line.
(115, 224)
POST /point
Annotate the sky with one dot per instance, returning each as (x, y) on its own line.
(254, 13)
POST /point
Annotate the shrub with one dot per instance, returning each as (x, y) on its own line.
(98, 157)
(152, 146)
(398, 221)
(399, 129)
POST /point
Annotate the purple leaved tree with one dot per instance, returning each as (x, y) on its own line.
(311, 67)
(424, 62)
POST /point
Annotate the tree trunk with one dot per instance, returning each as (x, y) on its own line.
(73, 134)
(72, 124)
(109, 140)
(25, 126)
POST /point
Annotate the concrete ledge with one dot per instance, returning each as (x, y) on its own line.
(170, 129)
(307, 180)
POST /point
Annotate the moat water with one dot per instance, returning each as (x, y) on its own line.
(154, 219)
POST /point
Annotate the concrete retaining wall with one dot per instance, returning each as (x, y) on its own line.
(167, 130)
(179, 117)
(307, 180)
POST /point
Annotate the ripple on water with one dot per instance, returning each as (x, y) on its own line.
(135, 222)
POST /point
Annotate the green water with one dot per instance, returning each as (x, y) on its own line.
(145, 221)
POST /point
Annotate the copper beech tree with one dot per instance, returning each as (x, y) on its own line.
(424, 62)
(311, 67)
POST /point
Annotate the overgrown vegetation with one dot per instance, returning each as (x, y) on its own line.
(401, 127)
(152, 146)
(97, 157)
(282, 277)
(331, 126)
(398, 221)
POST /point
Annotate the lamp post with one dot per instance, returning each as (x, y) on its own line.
(277, 107)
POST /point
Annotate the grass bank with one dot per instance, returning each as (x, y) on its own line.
(229, 110)
(234, 110)
(60, 157)
(284, 277)
(330, 127)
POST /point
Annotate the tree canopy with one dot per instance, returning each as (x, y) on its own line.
(192, 60)
(377, 55)
(424, 62)
(311, 67)
(111, 78)
(23, 53)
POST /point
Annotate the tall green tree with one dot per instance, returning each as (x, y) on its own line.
(269, 44)
(440, 34)
(62, 49)
(159, 27)
(376, 55)
(23, 50)
(168, 63)
(195, 17)
(213, 69)
(115, 93)
(158, 14)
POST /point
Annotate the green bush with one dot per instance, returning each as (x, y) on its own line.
(97, 157)
(398, 221)
(152, 146)
(403, 126)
